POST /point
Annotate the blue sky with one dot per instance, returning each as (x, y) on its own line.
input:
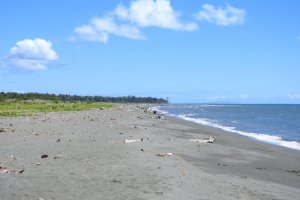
(190, 51)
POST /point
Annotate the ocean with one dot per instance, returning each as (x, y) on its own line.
(271, 123)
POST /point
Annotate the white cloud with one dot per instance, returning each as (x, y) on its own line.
(100, 28)
(221, 16)
(127, 22)
(159, 13)
(39, 49)
(30, 55)
(28, 64)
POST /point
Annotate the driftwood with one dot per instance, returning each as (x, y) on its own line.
(3, 170)
(131, 141)
(135, 140)
(210, 140)
(165, 154)
(150, 111)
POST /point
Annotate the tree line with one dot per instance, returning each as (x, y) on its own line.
(72, 98)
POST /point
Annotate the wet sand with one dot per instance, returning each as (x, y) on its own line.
(86, 158)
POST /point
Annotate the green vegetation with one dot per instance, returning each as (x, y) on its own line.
(21, 104)
(66, 97)
(14, 108)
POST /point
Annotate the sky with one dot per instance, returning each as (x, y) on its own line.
(195, 51)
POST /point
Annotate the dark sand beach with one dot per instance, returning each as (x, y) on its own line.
(85, 157)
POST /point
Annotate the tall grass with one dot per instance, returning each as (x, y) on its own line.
(13, 108)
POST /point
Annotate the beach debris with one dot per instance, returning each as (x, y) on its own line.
(165, 154)
(38, 164)
(13, 157)
(149, 110)
(116, 181)
(3, 170)
(44, 156)
(3, 130)
(135, 140)
(21, 171)
(58, 156)
(141, 117)
(142, 150)
(142, 139)
(58, 140)
(210, 140)
(159, 117)
(132, 141)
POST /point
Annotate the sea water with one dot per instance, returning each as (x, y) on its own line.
(276, 124)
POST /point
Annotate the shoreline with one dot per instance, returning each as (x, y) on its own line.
(262, 137)
(88, 159)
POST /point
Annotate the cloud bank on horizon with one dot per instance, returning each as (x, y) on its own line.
(129, 21)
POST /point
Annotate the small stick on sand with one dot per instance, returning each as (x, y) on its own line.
(210, 140)
(131, 141)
